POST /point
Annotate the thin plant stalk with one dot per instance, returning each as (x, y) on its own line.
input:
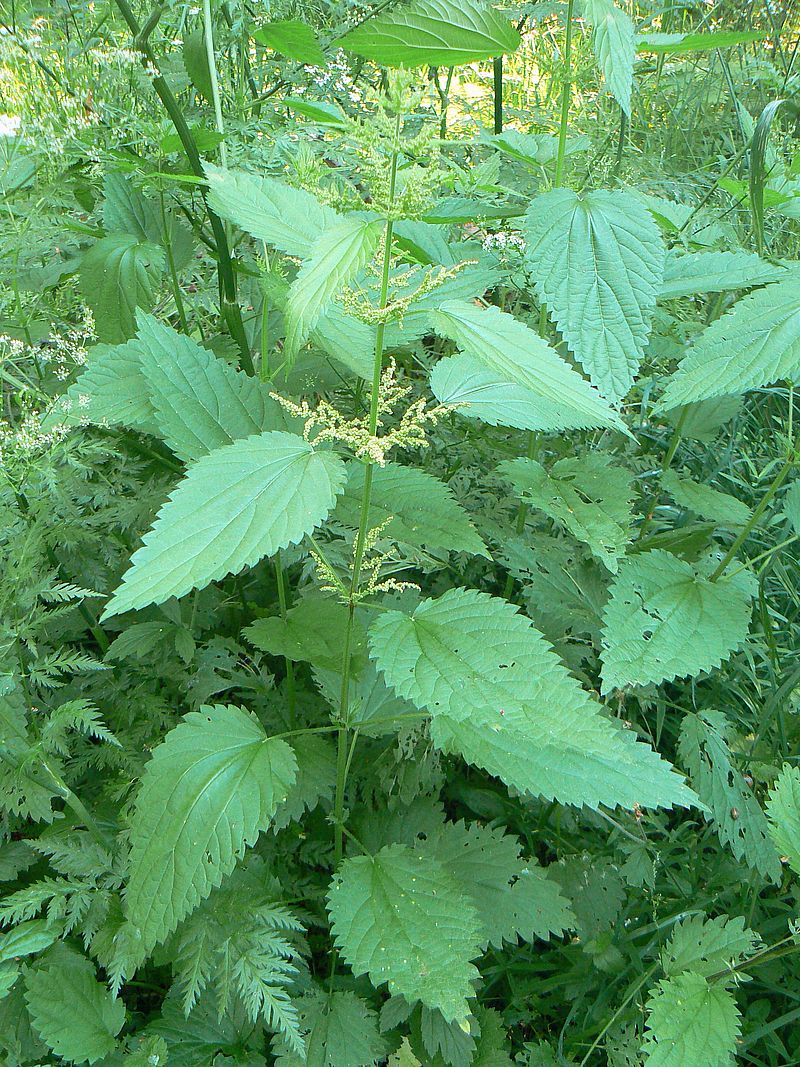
(744, 533)
(363, 524)
(566, 92)
(208, 32)
(280, 580)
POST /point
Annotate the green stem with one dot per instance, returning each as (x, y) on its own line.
(669, 455)
(173, 274)
(566, 91)
(230, 310)
(763, 555)
(363, 524)
(208, 30)
(534, 440)
(497, 72)
(77, 805)
(634, 990)
(280, 578)
(533, 437)
(777, 482)
(444, 97)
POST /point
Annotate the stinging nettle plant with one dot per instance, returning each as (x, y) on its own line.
(333, 866)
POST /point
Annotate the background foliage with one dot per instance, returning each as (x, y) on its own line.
(399, 620)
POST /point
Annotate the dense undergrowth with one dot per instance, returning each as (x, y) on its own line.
(400, 655)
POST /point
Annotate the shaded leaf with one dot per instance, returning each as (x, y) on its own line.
(211, 786)
(400, 917)
(238, 504)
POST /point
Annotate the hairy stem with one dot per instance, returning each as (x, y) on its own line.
(363, 524)
(208, 31)
(497, 77)
(280, 579)
(566, 90)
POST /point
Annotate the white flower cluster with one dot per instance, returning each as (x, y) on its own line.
(64, 352)
(28, 438)
(335, 79)
(504, 241)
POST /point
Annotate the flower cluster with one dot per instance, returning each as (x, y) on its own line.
(334, 79)
(28, 437)
(63, 352)
(373, 562)
(504, 241)
(331, 424)
(356, 302)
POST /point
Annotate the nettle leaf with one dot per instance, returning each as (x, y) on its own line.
(431, 33)
(292, 38)
(756, 343)
(783, 811)
(74, 1013)
(404, 1057)
(374, 708)
(445, 1043)
(476, 392)
(483, 1045)
(703, 421)
(736, 814)
(691, 1022)
(513, 897)
(665, 619)
(401, 918)
(111, 391)
(499, 696)
(336, 257)
(535, 149)
(705, 501)
(290, 219)
(555, 397)
(117, 276)
(418, 509)
(680, 43)
(341, 1031)
(590, 496)
(315, 781)
(320, 112)
(205, 1035)
(715, 272)
(235, 506)
(471, 281)
(312, 632)
(706, 946)
(126, 210)
(614, 45)
(597, 262)
(212, 786)
(195, 61)
(199, 402)
(28, 937)
(790, 506)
